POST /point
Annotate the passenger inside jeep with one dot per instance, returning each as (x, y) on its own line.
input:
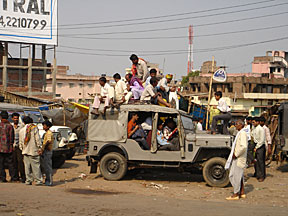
(167, 135)
(139, 131)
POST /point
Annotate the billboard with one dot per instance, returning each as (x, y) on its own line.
(29, 21)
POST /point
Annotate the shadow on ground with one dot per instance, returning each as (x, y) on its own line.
(163, 175)
(283, 168)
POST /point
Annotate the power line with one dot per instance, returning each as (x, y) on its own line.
(176, 52)
(181, 37)
(178, 19)
(170, 15)
(175, 28)
(158, 29)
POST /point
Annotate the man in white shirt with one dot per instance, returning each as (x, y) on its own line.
(237, 162)
(150, 93)
(260, 150)
(139, 67)
(121, 92)
(268, 141)
(225, 114)
(106, 95)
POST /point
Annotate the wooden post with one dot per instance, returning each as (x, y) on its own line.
(5, 63)
(209, 96)
(29, 77)
(54, 74)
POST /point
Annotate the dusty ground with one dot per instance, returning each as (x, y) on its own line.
(160, 192)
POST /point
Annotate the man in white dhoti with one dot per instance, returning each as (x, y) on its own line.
(237, 162)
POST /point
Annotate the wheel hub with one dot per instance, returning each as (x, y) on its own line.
(113, 166)
(217, 172)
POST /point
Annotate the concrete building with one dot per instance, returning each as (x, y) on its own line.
(75, 88)
(274, 63)
(246, 95)
(207, 67)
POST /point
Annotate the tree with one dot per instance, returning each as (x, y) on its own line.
(185, 79)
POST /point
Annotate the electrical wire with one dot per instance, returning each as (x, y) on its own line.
(176, 52)
(170, 15)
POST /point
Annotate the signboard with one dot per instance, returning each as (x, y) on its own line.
(29, 21)
(220, 75)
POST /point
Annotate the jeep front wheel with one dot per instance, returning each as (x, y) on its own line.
(214, 172)
(113, 166)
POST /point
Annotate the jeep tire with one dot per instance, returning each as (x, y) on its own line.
(214, 172)
(113, 166)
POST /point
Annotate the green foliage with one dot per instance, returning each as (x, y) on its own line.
(185, 79)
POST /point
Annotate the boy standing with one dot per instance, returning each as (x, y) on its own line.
(46, 152)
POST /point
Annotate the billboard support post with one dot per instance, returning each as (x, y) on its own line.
(5, 62)
(29, 78)
(54, 74)
(44, 65)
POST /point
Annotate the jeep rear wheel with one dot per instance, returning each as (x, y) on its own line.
(214, 172)
(113, 166)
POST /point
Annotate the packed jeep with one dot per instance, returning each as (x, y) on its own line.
(110, 146)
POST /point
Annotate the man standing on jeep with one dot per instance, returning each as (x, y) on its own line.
(225, 114)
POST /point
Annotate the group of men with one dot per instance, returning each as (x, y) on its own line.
(22, 151)
(250, 145)
(139, 85)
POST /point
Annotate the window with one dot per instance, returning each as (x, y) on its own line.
(71, 85)
(81, 85)
(58, 95)
(59, 85)
(90, 85)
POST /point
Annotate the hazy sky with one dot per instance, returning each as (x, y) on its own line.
(237, 60)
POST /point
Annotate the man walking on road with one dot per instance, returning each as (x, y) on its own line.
(237, 162)
(17, 153)
(6, 147)
(260, 150)
(30, 144)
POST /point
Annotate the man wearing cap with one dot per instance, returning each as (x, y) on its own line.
(163, 87)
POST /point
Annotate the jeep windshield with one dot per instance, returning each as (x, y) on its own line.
(35, 115)
(187, 123)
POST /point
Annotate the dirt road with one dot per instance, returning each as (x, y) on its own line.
(152, 192)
